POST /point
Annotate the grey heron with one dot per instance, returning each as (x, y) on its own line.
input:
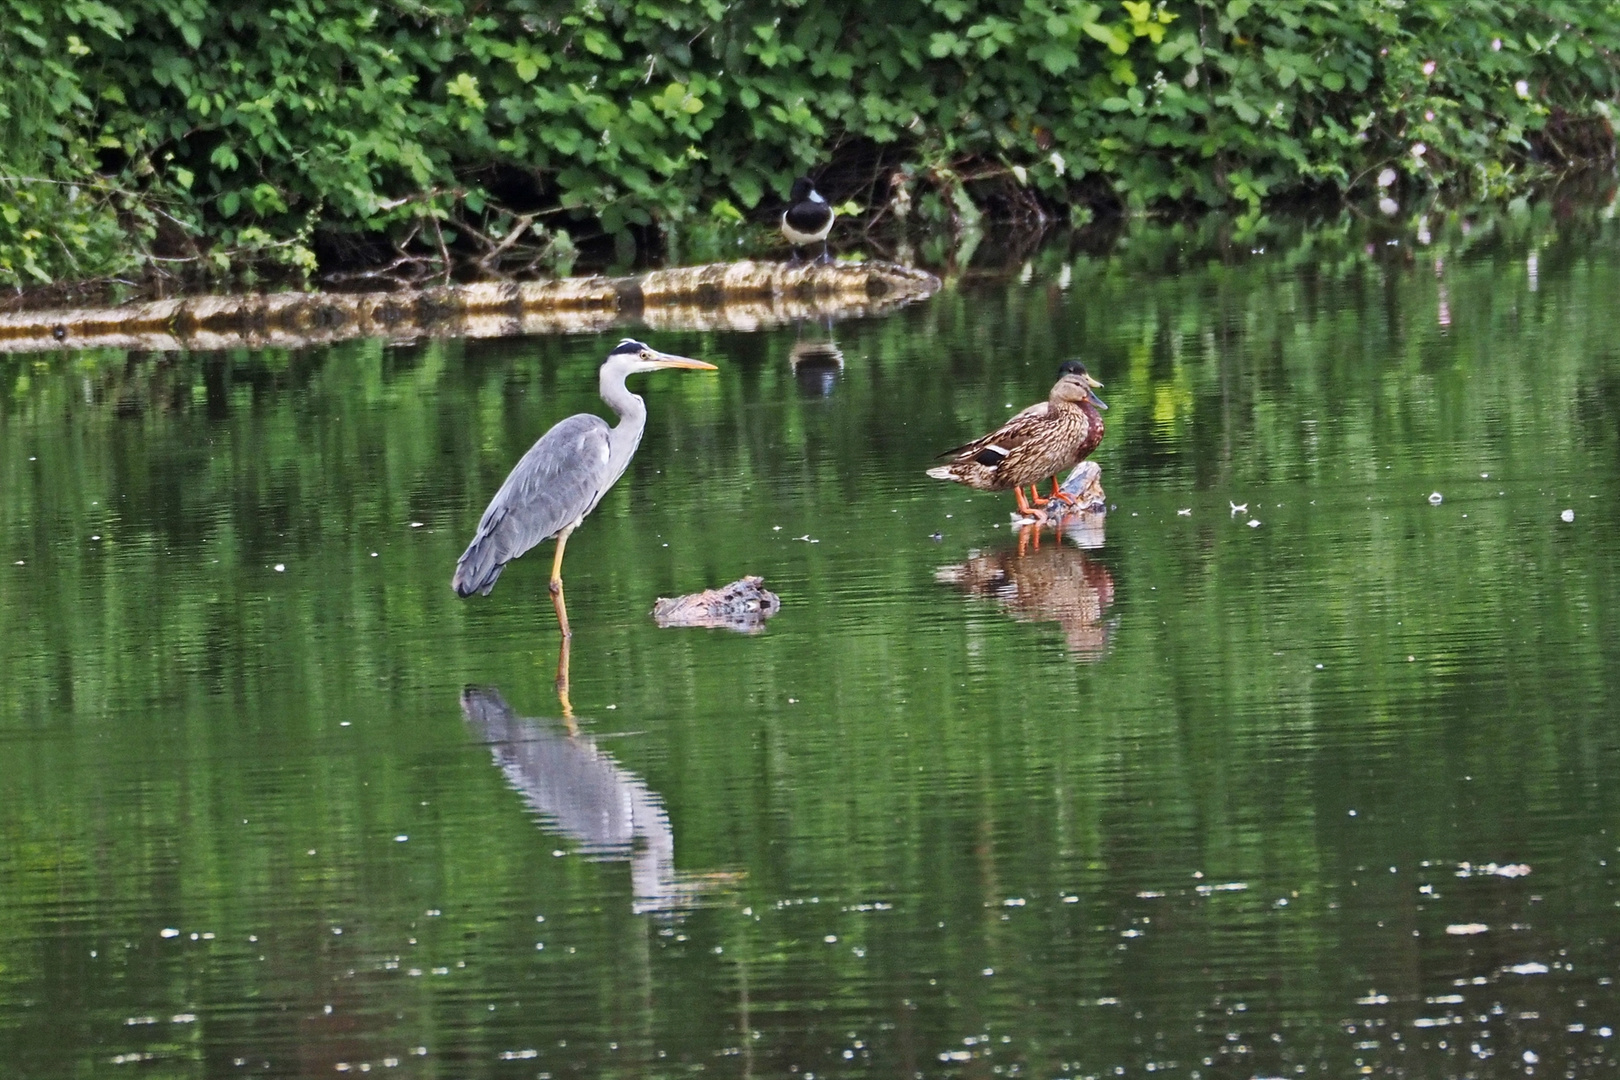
(562, 478)
(808, 218)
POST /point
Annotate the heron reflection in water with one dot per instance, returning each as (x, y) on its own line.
(1058, 583)
(579, 790)
(560, 480)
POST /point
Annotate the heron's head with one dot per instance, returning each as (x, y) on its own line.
(636, 356)
(804, 190)
(1076, 384)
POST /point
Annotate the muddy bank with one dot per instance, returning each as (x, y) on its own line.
(723, 296)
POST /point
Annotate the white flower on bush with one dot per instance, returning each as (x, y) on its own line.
(1389, 206)
(1418, 150)
(1058, 164)
(1428, 67)
(1386, 178)
(1522, 88)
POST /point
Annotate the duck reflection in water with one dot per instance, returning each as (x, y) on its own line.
(581, 792)
(1058, 583)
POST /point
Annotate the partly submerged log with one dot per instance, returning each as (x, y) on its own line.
(722, 296)
(744, 605)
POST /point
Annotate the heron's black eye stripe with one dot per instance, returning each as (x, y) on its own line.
(991, 456)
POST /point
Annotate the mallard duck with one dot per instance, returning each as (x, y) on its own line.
(808, 218)
(1048, 438)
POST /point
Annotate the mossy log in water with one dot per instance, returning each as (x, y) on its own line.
(728, 296)
(744, 605)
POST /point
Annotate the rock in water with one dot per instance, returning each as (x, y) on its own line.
(1085, 486)
(1083, 523)
(743, 606)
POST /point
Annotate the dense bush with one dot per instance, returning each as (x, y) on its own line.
(204, 137)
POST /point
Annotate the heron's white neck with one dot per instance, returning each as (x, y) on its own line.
(625, 436)
(610, 385)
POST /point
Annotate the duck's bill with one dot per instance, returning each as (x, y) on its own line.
(1095, 400)
(1092, 382)
(670, 360)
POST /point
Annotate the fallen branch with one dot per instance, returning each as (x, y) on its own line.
(736, 296)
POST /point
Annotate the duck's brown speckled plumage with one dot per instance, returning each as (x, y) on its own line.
(1042, 441)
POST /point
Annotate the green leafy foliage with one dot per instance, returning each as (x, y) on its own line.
(495, 136)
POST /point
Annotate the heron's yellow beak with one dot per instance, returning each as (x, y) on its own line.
(1093, 383)
(670, 360)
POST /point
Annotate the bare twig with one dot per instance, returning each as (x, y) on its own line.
(444, 252)
(518, 229)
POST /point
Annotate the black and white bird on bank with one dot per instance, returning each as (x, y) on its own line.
(808, 218)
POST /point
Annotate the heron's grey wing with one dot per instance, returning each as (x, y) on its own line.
(550, 488)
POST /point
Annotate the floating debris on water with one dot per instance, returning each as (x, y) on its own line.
(1435, 498)
(1511, 870)
(1253, 523)
(1184, 513)
(1238, 508)
(743, 606)
(1531, 968)
(1230, 886)
(1567, 515)
(1464, 929)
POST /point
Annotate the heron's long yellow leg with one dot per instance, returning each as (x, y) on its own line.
(556, 584)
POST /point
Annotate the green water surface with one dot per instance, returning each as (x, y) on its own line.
(1311, 768)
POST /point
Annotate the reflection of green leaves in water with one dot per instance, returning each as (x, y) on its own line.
(173, 724)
